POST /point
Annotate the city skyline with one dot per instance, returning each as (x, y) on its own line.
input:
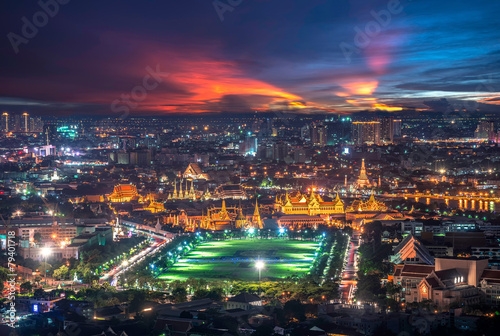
(250, 168)
(310, 57)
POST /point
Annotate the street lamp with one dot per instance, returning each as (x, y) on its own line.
(259, 264)
(45, 253)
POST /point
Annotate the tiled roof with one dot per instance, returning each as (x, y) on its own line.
(245, 297)
(417, 269)
(491, 274)
(432, 282)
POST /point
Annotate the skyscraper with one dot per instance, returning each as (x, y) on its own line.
(26, 122)
(5, 122)
(366, 132)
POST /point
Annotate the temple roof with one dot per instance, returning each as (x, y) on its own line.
(409, 246)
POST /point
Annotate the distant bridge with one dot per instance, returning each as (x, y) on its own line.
(468, 198)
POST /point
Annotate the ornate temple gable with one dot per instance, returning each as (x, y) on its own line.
(193, 171)
(371, 205)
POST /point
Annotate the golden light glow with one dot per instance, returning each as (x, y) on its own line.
(387, 108)
(361, 88)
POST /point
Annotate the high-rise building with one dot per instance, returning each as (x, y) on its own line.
(319, 135)
(398, 126)
(387, 129)
(366, 132)
(305, 133)
(5, 122)
(280, 151)
(36, 125)
(16, 127)
(249, 145)
(484, 129)
(26, 122)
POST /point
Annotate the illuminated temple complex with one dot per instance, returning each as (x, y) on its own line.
(154, 205)
(186, 194)
(371, 205)
(219, 218)
(124, 193)
(194, 172)
(301, 204)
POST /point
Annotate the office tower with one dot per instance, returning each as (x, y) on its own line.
(366, 132)
(5, 122)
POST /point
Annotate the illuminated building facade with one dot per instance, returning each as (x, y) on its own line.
(233, 191)
(366, 132)
(219, 218)
(26, 122)
(194, 172)
(467, 281)
(371, 205)
(5, 122)
(301, 204)
(299, 222)
(124, 193)
(154, 206)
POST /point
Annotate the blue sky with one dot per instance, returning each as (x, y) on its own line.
(264, 54)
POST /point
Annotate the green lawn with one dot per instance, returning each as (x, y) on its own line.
(235, 260)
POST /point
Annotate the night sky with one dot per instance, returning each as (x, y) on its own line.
(155, 57)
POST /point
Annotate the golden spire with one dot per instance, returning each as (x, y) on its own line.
(372, 197)
(256, 216)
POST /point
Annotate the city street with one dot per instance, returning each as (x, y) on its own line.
(348, 282)
(113, 275)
